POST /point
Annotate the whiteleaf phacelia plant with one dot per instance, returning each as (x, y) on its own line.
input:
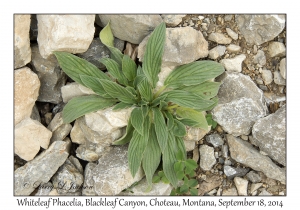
(158, 121)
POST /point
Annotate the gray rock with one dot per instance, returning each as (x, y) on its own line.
(219, 38)
(215, 139)
(233, 48)
(207, 158)
(40, 169)
(98, 50)
(26, 91)
(253, 177)
(232, 172)
(241, 103)
(61, 132)
(96, 131)
(264, 192)
(233, 64)
(278, 79)
(267, 76)
(183, 45)
(282, 67)
(254, 187)
(112, 174)
(225, 150)
(230, 192)
(69, 33)
(139, 189)
(52, 78)
(22, 52)
(30, 135)
(189, 145)
(269, 134)
(241, 185)
(232, 34)
(131, 28)
(56, 122)
(74, 89)
(258, 29)
(276, 49)
(216, 52)
(69, 177)
(44, 189)
(35, 115)
(260, 58)
(228, 17)
(172, 20)
(244, 153)
(88, 184)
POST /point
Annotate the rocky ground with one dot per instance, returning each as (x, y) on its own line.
(244, 155)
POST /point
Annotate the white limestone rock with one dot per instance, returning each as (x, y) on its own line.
(69, 33)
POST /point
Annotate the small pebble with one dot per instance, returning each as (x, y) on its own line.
(244, 137)
(200, 17)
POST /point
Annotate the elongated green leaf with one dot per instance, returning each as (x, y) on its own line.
(169, 159)
(153, 54)
(137, 147)
(145, 110)
(186, 99)
(82, 105)
(138, 80)
(180, 148)
(129, 68)
(179, 128)
(127, 137)
(192, 118)
(193, 73)
(215, 101)
(74, 66)
(160, 128)
(117, 91)
(145, 90)
(107, 38)
(206, 89)
(114, 69)
(137, 120)
(121, 105)
(157, 101)
(94, 84)
(152, 156)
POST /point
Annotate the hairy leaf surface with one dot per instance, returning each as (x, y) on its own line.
(74, 66)
(193, 73)
(82, 105)
(153, 54)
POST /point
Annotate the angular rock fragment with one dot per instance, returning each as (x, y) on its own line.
(112, 174)
(172, 20)
(207, 158)
(233, 64)
(52, 78)
(22, 52)
(158, 189)
(69, 177)
(241, 185)
(244, 153)
(131, 28)
(240, 105)
(269, 134)
(74, 89)
(26, 91)
(30, 135)
(216, 52)
(40, 169)
(276, 49)
(182, 46)
(69, 33)
(258, 29)
(219, 38)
